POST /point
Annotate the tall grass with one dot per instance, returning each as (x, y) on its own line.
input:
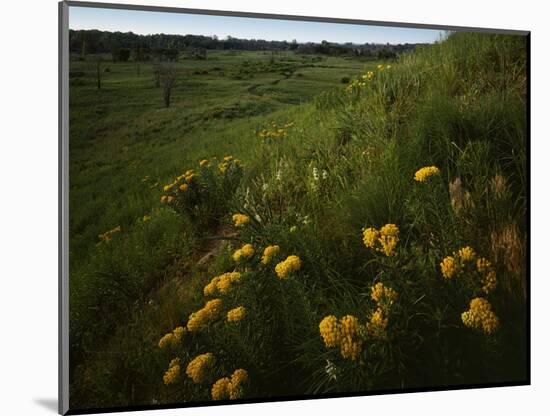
(348, 163)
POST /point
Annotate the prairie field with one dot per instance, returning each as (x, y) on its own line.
(299, 224)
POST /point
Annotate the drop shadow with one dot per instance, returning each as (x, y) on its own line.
(49, 404)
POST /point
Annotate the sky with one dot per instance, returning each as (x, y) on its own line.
(144, 23)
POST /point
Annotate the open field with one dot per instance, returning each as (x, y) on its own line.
(395, 277)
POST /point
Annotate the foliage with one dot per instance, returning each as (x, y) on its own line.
(375, 239)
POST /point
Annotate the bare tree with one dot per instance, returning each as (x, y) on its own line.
(156, 73)
(167, 75)
(97, 63)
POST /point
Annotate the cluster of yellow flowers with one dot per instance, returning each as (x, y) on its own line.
(179, 186)
(465, 257)
(200, 368)
(449, 267)
(230, 388)
(227, 163)
(481, 316)
(274, 130)
(289, 265)
(365, 78)
(173, 373)
(246, 252)
(269, 253)
(452, 265)
(376, 326)
(204, 163)
(106, 236)
(236, 314)
(173, 338)
(384, 240)
(240, 219)
(222, 283)
(383, 295)
(488, 275)
(423, 174)
(378, 321)
(203, 317)
(345, 334)
(348, 334)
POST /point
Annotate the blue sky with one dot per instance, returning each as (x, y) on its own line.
(141, 22)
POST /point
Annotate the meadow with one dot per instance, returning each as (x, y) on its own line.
(299, 224)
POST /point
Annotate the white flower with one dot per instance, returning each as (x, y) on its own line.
(278, 175)
(293, 228)
(306, 220)
(325, 174)
(258, 218)
(315, 174)
(265, 186)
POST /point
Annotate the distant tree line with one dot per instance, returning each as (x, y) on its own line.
(123, 46)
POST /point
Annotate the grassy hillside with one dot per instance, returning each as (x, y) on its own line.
(402, 277)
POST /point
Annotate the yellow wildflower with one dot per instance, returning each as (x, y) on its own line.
(106, 237)
(488, 275)
(163, 199)
(166, 340)
(184, 187)
(220, 389)
(204, 163)
(384, 240)
(200, 367)
(172, 338)
(350, 346)
(423, 174)
(226, 280)
(240, 219)
(227, 158)
(178, 332)
(489, 282)
(208, 314)
(389, 239)
(289, 265)
(173, 373)
(168, 187)
(236, 314)
(245, 251)
(211, 288)
(236, 387)
(269, 252)
(466, 254)
(377, 324)
(384, 296)
(330, 331)
(169, 199)
(223, 167)
(449, 267)
(481, 316)
(370, 237)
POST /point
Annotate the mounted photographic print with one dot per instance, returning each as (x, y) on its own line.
(264, 207)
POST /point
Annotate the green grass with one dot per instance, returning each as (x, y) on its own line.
(346, 163)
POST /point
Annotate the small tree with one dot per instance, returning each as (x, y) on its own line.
(156, 73)
(167, 76)
(96, 59)
(139, 57)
